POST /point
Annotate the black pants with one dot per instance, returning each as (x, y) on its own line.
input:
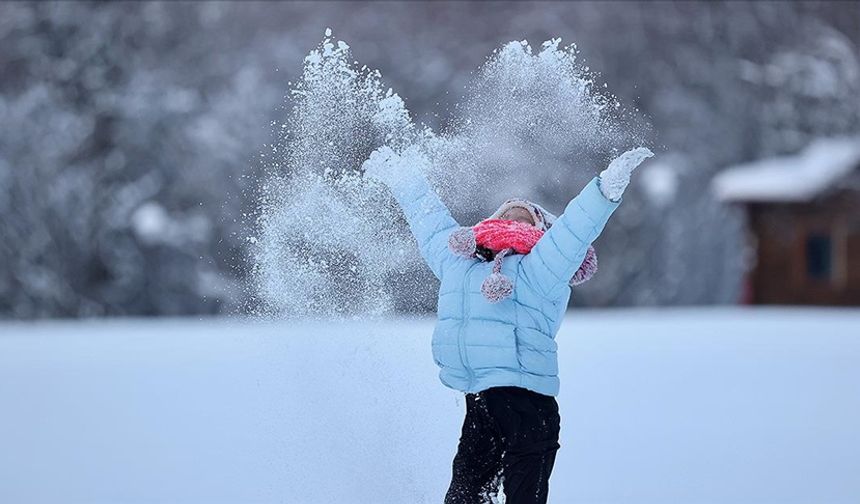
(510, 436)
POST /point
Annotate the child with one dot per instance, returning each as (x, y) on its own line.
(497, 320)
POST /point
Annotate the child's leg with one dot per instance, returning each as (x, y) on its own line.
(529, 426)
(478, 463)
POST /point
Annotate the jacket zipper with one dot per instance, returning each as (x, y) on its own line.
(461, 345)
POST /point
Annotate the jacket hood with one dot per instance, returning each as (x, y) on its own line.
(542, 218)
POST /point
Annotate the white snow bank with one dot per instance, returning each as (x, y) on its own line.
(795, 178)
(724, 406)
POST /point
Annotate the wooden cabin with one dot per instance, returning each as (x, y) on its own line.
(803, 224)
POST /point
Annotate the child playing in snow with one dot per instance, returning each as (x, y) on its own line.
(497, 320)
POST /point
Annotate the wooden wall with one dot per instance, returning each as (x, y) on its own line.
(779, 234)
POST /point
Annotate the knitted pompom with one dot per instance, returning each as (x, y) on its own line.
(462, 242)
(497, 287)
(587, 269)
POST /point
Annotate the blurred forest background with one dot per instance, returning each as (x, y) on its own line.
(131, 132)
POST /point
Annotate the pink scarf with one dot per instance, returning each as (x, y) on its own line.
(503, 237)
(501, 234)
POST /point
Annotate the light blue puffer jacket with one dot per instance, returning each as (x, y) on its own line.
(478, 344)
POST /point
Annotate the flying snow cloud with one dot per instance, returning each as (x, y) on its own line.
(329, 244)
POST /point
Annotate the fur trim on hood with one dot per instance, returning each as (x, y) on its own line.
(494, 238)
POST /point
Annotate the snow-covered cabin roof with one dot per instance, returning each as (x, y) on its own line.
(795, 178)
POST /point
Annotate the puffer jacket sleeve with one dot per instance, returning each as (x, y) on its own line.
(561, 250)
(429, 219)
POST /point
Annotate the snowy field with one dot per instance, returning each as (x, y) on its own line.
(693, 406)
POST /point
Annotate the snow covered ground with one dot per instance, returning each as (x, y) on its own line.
(682, 406)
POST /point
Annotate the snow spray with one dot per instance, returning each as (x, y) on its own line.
(330, 244)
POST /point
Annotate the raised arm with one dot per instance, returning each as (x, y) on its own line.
(428, 218)
(561, 250)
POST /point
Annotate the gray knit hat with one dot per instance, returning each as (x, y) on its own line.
(542, 218)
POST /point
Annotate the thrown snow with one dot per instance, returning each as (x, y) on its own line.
(720, 406)
(795, 178)
(523, 120)
(530, 118)
(317, 217)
